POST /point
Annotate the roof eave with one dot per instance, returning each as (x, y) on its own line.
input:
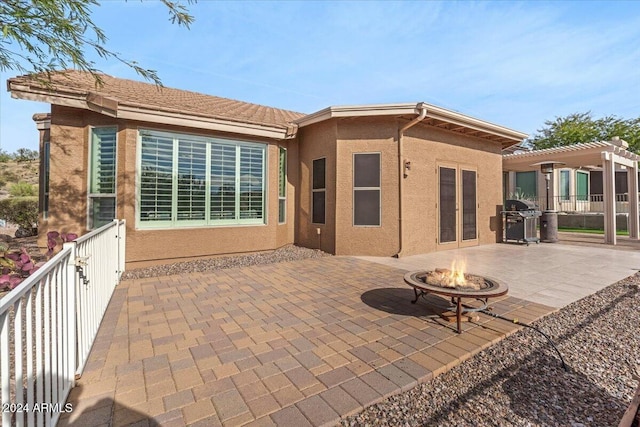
(110, 107)
(506, 136)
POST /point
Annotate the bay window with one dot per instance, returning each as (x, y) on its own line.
(197, 181)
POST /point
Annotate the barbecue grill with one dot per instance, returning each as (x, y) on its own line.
(519, 219)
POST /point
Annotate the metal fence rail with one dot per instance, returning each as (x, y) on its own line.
(49, 322)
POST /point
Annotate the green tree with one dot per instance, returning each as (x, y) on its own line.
(51, 35)
(25, 155)
(4, 156)
(582, 127)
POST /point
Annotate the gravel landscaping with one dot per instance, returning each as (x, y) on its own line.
(520, 381)
(285, 253)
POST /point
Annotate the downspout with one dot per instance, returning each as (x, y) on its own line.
(422, 108)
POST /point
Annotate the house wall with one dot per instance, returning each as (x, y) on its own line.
(426, 147)
(316, 141)
(367, 135)
(68, 194)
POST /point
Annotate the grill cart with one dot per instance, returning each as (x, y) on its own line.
(519, 221)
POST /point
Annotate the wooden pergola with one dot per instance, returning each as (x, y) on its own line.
(601, 154)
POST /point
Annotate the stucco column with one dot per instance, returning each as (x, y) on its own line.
(632, 185)
(609, 197)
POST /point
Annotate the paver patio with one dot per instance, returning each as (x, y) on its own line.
(297, 343)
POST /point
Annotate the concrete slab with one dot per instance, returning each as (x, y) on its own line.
(550, 274)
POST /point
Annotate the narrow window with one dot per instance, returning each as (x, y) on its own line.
(564, 184)
(282, 185)
(366, 189)
(102, 178)
(318, 191)
(46, 172)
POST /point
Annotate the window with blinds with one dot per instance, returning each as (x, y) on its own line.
(190, 181)
(102, 177)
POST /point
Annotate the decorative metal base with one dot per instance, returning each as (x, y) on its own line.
(458, 308)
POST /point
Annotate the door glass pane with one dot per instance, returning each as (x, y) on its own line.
(469, 205)
(582, 186)
(447, 205)
(366, 207)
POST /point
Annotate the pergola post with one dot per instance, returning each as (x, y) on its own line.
(609, 197)
(632, 184)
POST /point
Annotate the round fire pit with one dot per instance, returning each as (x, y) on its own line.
(442, 282)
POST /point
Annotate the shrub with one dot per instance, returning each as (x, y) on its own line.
(22, 211)
(4, 156)
(23, 189)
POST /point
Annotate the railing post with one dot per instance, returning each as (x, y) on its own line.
(122, 230)
(71, 312)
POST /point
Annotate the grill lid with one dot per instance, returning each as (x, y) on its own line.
(519, 205)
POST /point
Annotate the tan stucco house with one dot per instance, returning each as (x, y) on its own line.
(197, 175)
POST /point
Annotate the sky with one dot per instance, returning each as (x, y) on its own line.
(516, 64)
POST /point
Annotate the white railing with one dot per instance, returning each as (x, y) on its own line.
(48, 324)
(593, 203)
(99, 267)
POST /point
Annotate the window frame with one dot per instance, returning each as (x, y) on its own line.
(355, 189)
(208, 222)
(90, 170)
(282, 175)
(322, 190)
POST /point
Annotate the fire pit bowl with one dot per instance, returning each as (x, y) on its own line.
(474, 286)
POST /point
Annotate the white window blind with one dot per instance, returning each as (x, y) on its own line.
(188, 180)
(102, 179)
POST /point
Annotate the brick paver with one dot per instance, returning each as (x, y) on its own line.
(298, 343)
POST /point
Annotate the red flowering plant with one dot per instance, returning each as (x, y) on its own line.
(53, 237)
(17, 265)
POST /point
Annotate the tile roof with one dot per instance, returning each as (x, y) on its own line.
(149, 96)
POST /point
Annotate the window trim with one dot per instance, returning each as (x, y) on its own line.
(207, 222)
(354, 189)
(319, 190)
(91, 196)
(281, 198)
